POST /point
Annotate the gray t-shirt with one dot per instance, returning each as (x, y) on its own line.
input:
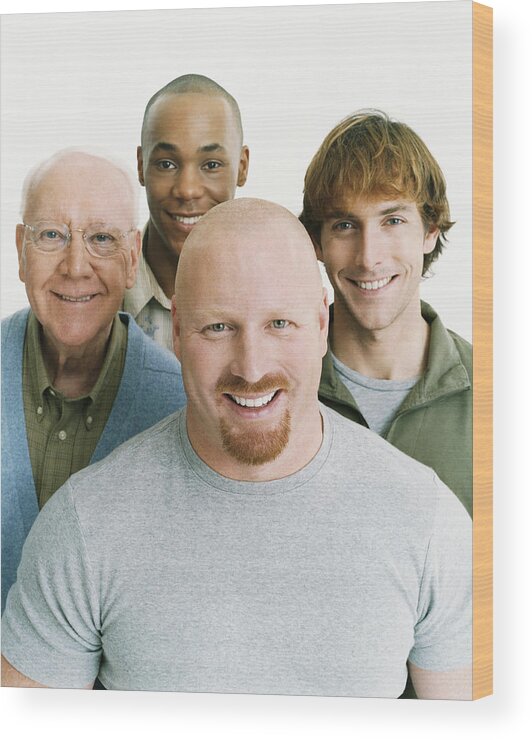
(153, 572)
(378, 400)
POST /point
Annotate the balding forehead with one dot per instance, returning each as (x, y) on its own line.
(82, 170)
(248, 236)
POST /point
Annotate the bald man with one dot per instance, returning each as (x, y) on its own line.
(191, 158)
(283, 549)
(77, 378)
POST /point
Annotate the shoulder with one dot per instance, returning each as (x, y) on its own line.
(129, 470)
(154, 444)
(464, 348)
(13, 332)
(450, 347)
(15, 324)
(399, 490)
(366, 454)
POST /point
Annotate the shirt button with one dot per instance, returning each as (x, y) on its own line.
(89, 420)
(39, 410)
(62, 435)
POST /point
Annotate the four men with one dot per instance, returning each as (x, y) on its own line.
(191, 157)
(253, 565)
(78, 378)
(376, 209)
(282, 549)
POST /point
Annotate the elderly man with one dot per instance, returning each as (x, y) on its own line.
(77, 378)
(282, 549)
(191, 158)
(376, 208)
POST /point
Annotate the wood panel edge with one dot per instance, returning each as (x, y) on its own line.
(482, 49)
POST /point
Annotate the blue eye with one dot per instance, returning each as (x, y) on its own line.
(280, 323)
(394, 221)
(217, 328)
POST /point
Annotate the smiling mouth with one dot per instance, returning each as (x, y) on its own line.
(75, 299)
(373, 284)
(186, 220)
(253, 402)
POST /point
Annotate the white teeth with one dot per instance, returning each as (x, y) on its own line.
(374, 285)
(253, 402)
(187, 220)
(72, 299)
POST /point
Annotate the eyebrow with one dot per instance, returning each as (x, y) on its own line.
(167, 147)
(385, 211)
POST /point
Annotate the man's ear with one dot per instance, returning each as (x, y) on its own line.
(140, 165)
(243, 167)
(133, 267)
(324, 321)
(176, 330)
(19, 239)
(431, 236)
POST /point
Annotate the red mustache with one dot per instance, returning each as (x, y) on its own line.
(236, 385)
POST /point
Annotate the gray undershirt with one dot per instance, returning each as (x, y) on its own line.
(378, 400)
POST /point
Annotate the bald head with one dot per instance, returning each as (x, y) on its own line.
(248, 243)
(73, 176)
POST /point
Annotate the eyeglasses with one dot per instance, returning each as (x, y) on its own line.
(100, 240)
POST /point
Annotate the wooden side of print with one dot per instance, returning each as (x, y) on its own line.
(482, 351)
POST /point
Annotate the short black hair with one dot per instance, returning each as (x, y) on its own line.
(194, 83)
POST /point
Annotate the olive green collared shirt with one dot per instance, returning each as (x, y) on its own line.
(63, 432)
(148, 304)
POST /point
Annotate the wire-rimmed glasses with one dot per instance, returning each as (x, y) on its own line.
(100, 239)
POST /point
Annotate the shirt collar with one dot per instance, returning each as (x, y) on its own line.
(113, 359)
(146, 286)
(116, 346)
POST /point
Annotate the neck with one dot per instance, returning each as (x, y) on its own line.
(74, 371)
(396, 352)
(162, 261)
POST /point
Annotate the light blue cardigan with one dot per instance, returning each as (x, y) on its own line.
(151, 388)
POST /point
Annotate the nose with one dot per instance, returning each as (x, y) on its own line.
(188, 183)
(369, 249)
(252, 359)
(76, 260)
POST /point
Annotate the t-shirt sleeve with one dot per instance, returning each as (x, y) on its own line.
(443, 633)
(50, 628)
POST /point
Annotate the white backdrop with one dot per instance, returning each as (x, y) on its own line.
(61, 715)
(83, 79)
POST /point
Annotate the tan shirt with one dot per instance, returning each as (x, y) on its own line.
(63, 432)
(148, 304)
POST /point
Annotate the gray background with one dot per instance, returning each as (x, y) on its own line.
(73, 79)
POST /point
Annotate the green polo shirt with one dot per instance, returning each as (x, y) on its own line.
(63, 432)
